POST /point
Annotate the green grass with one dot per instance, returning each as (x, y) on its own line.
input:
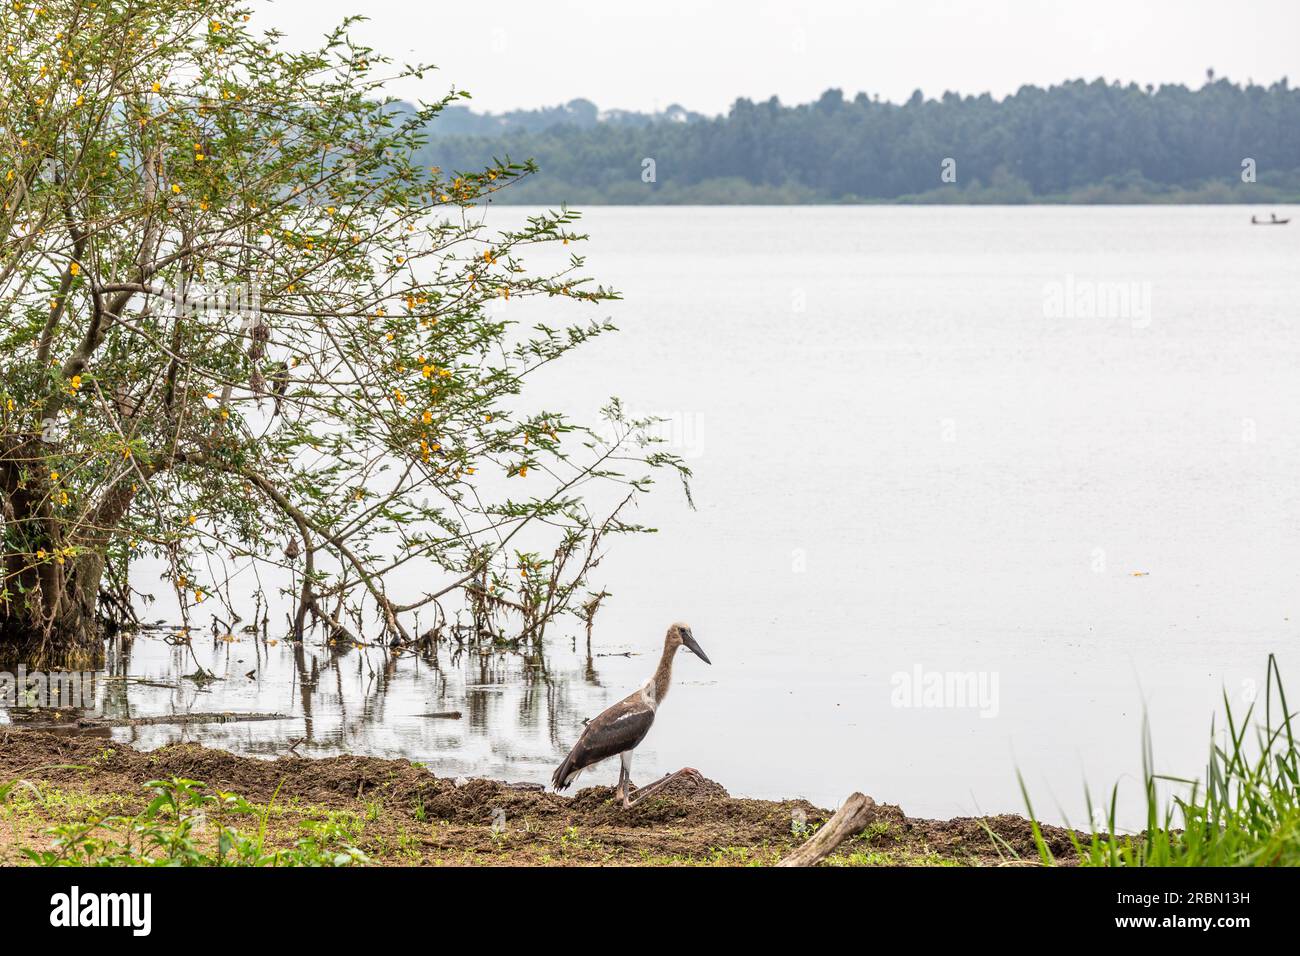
(183, 825)
(1246, 811)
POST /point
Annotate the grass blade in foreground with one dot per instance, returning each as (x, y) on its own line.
(1246, 813)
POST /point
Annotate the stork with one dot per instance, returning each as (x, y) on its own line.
(624, 725)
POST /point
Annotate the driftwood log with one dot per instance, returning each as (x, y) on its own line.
(857, 812)
(196, 718)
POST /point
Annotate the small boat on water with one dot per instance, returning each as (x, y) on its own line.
(1271, 221)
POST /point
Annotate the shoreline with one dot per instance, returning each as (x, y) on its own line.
(398, 813)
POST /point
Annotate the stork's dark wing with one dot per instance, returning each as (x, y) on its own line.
(619, 728)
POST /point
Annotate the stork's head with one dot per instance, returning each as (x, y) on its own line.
(679, 635)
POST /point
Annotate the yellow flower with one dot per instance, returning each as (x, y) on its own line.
(40, 553)
(193, 518)
(75, 268)
(427, 417)
(523, 471)
(176, 188)
(54, 476)
(157, 87)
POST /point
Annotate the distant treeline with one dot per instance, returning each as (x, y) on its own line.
(462, 121)
(1077, 142)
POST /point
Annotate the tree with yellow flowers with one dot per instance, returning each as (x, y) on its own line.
(239, 325)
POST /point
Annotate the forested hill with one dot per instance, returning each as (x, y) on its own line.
(1076, 142)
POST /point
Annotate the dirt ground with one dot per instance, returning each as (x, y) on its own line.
(403, 815)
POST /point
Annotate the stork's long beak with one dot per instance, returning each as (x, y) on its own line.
(693, 646)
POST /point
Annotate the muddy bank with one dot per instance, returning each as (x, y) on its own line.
(404, 815)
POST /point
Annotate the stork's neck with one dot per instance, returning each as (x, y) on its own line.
(663, 674)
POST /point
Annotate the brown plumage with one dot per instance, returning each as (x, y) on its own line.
(620, 728)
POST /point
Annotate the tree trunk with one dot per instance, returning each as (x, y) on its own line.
(78, 611)
(52, 614)
(55, 621)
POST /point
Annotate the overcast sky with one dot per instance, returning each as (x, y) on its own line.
(704, 54)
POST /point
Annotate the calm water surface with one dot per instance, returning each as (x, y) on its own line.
(905, 459)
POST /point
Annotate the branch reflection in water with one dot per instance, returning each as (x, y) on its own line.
(461, 706)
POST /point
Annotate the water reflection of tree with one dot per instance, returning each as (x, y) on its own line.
(117, 667)
(358, 698)
(305, 681)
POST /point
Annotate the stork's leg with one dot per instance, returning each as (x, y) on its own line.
(652, 788)
(624, 778)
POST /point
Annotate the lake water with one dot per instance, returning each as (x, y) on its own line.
(1055, 449)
